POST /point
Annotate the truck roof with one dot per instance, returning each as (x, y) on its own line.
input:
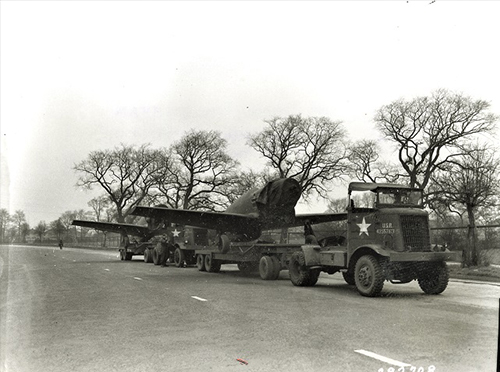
(371, 186)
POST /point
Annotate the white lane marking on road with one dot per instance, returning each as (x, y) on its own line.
(199, 298)
(106, 269)
(383, 358)
(136, 278)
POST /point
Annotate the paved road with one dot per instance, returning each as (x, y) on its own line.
(81, 310)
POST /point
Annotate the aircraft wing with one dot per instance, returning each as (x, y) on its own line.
(129, 229)
(315, 218)
(226, 222)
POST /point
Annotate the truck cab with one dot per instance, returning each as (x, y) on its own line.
(387, 238)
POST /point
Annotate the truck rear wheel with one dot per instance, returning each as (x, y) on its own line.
(200, 262)
(148, 256)
(300, 274)
(211, 265)
(179, 257)
(369, 276)
(434, 280)
(269, 268)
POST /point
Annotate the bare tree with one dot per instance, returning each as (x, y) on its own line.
(198, 172)
(430, 131)
(366, 166)
(58, 228)
(4, 221)
(40, 230)
(19, 218)
(125, 174)
(310, 150)
(463, 186)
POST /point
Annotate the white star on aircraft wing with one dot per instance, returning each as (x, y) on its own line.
(363, 227)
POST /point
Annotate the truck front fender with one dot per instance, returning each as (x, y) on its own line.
(312, 254)
(373, 247)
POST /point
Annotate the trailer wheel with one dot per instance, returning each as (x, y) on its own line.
(266, 268)
(269, 268)
(211, 265)
(349, 277)
(156, 259)
(224, 243)
(369, 276)
(200, 262)
(300, 274)
(277, 267)
(434, 280)
(179, 257)
(148, 256)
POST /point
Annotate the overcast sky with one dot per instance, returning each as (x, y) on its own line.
(84, 76)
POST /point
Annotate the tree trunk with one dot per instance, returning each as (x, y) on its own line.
(472, 246)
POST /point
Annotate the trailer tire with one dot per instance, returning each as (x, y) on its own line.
(266, 268)
(434, 280)
(224, 243)
(147, 256)
(212, 265)
(179, 257)
(369, 276)
(277, 267)
(200, 262)
(269, 268)
(299, 273)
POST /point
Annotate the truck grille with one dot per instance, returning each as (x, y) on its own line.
(415, 233)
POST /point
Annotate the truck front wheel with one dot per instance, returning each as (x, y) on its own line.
(179, 257)
(434, 280)
(368, 276)
(300, 274)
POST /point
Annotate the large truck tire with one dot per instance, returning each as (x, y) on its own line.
(434, 280)
(277, 267)
(200, 262)
(269, 268)
(349, 277)
(160, 254)
(148, 255)
(179, 257)
(369, 276)
(299, 273)
(211, 265)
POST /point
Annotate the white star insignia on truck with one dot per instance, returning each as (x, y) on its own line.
(363, 227)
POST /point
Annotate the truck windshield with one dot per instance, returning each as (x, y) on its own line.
(398, 197)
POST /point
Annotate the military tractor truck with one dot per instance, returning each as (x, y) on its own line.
(387, 237)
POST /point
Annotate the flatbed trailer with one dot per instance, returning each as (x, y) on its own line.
(266, 258)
